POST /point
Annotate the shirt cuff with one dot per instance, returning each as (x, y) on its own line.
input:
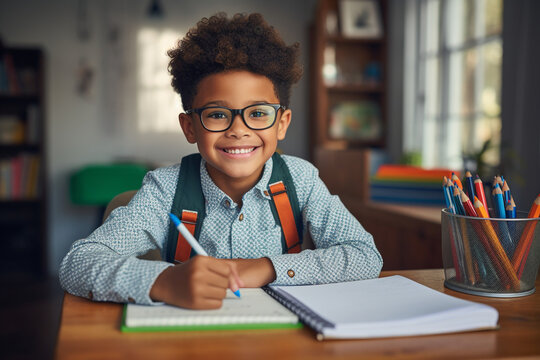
(291, 270)
(147, 271)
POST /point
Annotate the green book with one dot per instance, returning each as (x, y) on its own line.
(255, 309)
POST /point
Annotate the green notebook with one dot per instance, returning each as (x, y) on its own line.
(255, 309)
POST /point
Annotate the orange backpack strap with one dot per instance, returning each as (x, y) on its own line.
(278, 191)
(183, 249)
(189, 205)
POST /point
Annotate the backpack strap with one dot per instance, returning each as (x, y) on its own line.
(285, 205)
(189, 206)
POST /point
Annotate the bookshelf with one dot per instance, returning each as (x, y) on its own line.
(22, 161)
(348, 93)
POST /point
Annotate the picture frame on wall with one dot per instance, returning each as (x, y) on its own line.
(357, 121)
(360, 19)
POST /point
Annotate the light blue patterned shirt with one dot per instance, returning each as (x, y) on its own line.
(105, 265)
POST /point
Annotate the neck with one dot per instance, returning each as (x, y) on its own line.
(235, 188)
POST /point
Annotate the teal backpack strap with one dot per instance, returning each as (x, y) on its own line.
(283, 193)
(189, 205)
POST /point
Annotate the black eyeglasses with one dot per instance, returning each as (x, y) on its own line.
(256, 117)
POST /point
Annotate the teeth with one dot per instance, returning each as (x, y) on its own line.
(239, 151)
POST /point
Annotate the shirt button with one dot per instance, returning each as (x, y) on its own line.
(266, 193)
(131, 300)
(227, 203)
(241, 217)
(290, 273)
(90, 295)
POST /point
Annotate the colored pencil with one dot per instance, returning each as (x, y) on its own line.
(510, 212)
(524, 245)
(459, 243)
(453, 247)
(498, 180)
(467, 205)
(498, 201)
(460, 210)
(479, 191)
(447, 197)
(455, 179)
(469, 185)
(451, 187)
(506, 192)
(495, 250)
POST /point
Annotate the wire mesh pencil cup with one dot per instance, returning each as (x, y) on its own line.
(490, 257)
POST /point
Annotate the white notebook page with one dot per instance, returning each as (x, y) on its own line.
(390, 306)
(254, 306)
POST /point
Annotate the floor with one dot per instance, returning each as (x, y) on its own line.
(30, 315)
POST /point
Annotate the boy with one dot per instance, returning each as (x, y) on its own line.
(234, 77)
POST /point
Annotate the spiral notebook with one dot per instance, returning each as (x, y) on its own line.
(384, 307)
(255, 309)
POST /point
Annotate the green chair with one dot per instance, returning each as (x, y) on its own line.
(98, 184)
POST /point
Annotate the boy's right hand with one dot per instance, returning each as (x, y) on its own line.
(199, 283)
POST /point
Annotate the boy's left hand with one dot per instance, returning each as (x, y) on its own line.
(255, 272)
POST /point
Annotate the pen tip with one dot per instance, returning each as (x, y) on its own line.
(174, 219)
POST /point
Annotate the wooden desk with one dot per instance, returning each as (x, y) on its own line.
(90, 330)
(407, 236)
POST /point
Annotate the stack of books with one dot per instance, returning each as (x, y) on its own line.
(19, 177)
(408, 185)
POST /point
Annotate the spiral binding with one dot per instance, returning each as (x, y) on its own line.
(306, 315)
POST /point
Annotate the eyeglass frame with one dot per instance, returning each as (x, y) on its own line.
(234, 113)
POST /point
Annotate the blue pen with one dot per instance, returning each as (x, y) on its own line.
(191, 240)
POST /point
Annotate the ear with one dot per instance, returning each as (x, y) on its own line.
(283, 124)
(186, 122)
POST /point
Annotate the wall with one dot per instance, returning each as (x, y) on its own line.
(78, 131)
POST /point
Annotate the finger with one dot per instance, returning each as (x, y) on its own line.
(227, 269)
(234, 279)
(211, 278)
(214, 293)
(209, 304)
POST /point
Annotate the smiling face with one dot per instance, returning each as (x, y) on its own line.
(235, 157)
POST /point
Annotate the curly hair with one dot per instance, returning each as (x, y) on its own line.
(245, 42)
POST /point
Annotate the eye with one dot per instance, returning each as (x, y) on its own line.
(216, 115)
(258, 113)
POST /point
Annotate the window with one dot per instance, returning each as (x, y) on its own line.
(157, 104)
(457, 85)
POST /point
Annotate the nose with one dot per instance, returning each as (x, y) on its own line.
(238, 127)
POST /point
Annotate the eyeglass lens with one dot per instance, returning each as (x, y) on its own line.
(256, 117)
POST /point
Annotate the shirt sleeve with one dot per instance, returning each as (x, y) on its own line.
(105, 266)
(344, 250)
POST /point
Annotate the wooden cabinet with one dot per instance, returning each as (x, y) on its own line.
(408, 237)
(22, 162)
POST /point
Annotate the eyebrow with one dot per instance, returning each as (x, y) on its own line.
(224, 103)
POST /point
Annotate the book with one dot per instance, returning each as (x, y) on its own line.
(254, 310)
(408, 184)
(385, 307)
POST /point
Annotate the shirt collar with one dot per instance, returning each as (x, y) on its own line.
(215, 197)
